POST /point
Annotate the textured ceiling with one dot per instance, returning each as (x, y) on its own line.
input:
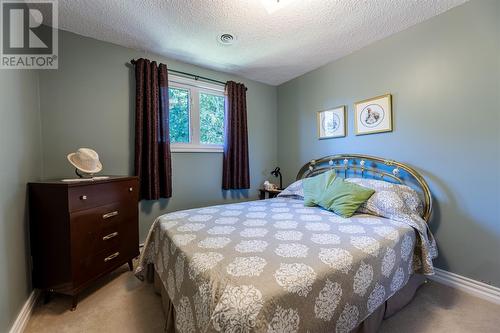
(274, 44)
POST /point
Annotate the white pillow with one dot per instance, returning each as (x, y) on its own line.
(294, 190)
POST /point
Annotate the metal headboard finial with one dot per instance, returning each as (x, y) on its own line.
(362, 164)
(387, 170)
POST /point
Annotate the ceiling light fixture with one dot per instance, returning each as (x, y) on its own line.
(275, 5)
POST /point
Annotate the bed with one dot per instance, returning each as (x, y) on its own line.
(277, 266)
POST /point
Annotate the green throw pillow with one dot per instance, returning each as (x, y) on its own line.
(315, 186)
(344, 198)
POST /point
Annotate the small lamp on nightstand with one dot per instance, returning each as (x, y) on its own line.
(276, 172)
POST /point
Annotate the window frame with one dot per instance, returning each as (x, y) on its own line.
(195, 88)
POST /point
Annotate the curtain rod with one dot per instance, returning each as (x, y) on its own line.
(194, 76)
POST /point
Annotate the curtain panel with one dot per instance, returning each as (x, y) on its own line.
(235, 168)
(152, 160)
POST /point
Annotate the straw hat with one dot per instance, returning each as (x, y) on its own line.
(86, 160)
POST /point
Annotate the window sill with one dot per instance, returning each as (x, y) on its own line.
(196, 149)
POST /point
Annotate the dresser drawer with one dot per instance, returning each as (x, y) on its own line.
(125, 233)
(93, 266)
(94, 195)
(94, 230)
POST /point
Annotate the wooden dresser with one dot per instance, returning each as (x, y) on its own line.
(81, 231)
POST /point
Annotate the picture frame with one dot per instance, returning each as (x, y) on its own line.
(373, 115)
(331, 123)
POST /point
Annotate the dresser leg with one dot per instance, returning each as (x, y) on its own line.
(130, 265)
(74, 302)
(47, 296)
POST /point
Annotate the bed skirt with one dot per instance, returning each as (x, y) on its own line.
(369, 325)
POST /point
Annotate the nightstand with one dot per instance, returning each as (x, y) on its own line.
(270, 193)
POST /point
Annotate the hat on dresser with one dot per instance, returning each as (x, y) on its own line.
(86, 160)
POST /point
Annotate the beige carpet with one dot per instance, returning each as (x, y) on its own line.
(120, 303)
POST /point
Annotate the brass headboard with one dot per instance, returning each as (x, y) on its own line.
(371, 167)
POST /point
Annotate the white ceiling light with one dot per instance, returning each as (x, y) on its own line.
(275, 5)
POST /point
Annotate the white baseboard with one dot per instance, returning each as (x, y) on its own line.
(25, 313)
(470, 286)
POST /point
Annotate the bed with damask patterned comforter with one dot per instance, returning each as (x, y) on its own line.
(277, 266)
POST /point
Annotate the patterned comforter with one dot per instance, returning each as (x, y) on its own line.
(277, 266)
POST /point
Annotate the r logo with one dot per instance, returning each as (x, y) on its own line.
(27, 27)
(29, 34)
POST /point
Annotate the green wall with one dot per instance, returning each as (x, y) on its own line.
(444, 77)
(20, 160)
(89, 102)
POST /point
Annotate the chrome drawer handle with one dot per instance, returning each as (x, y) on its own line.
(130, 189)
(83, 197)
(111, 257)
(111, 214)
(111, 235)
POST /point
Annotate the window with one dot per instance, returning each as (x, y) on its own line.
(179, 115)
(211, 119)
(196, 115)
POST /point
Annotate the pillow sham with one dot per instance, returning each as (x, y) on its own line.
(294, 190)
(315, 186)
(344, 198)
(389, 198)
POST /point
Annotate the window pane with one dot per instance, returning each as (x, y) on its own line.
(211, 119)
(179, 115)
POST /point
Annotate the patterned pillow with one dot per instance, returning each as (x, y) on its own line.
(294, 190)
(389, 198)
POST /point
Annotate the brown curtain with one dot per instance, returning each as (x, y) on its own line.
(152, 141)
(235, 169)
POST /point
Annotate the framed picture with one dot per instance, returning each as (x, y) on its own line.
(331, 123)
(373, 115)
